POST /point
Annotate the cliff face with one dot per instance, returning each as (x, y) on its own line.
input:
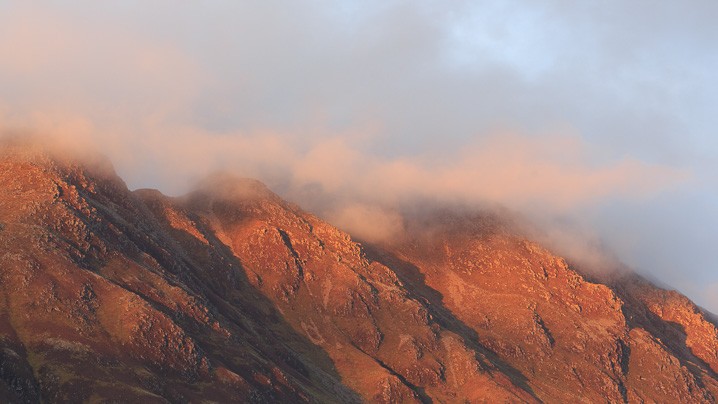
(231, 294)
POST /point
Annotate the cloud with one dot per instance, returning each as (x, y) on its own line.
(710, 296)
(552, 108)
(58, 70)
(515, 170)
(299, 97)
(370, 223)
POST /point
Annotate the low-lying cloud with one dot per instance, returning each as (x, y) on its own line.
(556, 172)
(353, 108)
(359, 191)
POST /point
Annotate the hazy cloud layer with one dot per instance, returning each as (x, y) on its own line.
(595, 113)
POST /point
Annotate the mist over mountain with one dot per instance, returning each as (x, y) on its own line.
(358, 201)
(230, 293)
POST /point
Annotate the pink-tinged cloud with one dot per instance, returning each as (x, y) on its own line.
(303, 96)
(367, 222)
(557, 171)
(100, 83)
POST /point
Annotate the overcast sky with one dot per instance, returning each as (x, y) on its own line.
(597, 113)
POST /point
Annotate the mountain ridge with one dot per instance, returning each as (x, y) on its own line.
(232, 294)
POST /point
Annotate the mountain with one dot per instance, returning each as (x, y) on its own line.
(230, 294)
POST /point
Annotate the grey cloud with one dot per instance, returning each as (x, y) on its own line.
(385, 93)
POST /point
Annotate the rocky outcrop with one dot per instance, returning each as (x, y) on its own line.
(571, 337)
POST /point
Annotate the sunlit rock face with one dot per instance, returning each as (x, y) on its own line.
(231, 294)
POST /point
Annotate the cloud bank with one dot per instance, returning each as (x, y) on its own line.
(585, 112)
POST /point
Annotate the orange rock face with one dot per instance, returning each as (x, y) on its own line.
(231, 294)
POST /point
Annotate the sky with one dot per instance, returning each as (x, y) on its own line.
(596, 118)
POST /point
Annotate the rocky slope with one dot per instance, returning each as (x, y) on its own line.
(231, 294)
